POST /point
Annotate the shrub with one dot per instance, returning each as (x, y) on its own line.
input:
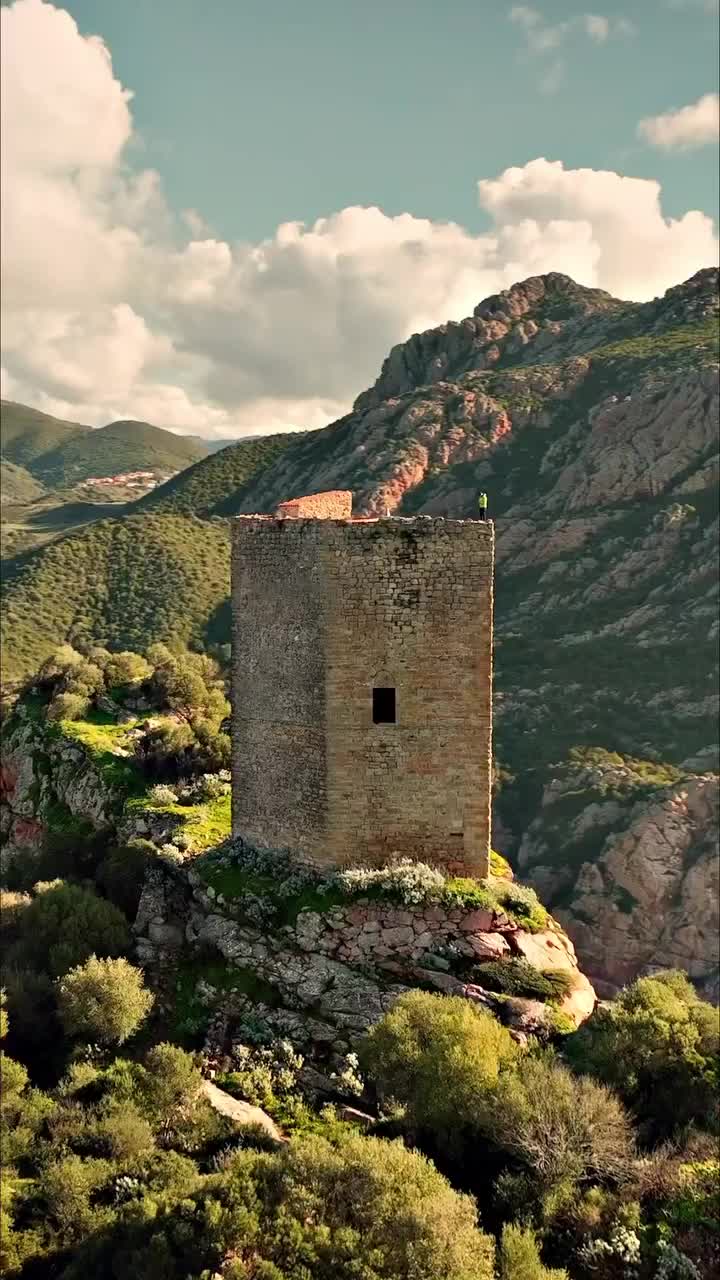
(561, 1129)
(169, 1084)
(122, 874)
(126, 668)
(65, 926)
(68, 706)
(262, 1074)
(104, 1000)
(67, 1187)
(162, 794)
(520, 900)
(363, 1208)
(122, 1132)
(411, 882)
(439, 1055)
(520, 1257)
(657, 1044)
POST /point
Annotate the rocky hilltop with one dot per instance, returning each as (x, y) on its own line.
(592, 423)
(319, 959)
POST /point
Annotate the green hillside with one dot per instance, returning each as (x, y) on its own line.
(17, 485)
(123, 583)
(27, 435)
(603, 485)
(121, 446)
(206, 486)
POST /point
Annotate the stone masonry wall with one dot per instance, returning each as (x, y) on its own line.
(324, 611)
(336, 504)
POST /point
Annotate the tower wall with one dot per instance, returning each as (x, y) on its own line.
(324, 611)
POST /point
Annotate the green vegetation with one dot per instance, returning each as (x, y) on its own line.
(17, 486)
(65, 925)
(658, 1045)
(26, 434)
(520, 978)
(211, 485)
(270, 889)
(103, 1000)
(122, 583)
(108, 451)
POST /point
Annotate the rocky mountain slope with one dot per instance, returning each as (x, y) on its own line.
(593, 425)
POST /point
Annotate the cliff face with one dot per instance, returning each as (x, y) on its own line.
(632, 869)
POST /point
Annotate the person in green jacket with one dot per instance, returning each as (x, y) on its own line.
(482, 506)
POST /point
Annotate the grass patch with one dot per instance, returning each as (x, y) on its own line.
(100, 737)
(521, 978)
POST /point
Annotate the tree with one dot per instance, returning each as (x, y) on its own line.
(103, 1000)
(520, 1257)
(126, 668)
(3, 1016)
(439, 1055)
(66, 925)
(170, 1086)
(658, 1045)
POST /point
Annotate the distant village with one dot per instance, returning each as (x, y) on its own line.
(130, 480)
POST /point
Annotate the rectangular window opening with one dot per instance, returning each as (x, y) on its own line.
(384, 706)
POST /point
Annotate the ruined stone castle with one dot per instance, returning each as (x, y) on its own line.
(362, 685)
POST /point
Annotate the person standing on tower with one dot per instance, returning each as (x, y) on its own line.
(482, 506)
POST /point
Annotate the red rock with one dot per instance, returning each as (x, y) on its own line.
(476, 922)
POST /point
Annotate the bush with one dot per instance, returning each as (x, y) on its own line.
(67, 1187)
(65, 926)
(104, 1001)
(170, 1085)
(560, 1129)
(520, 1257)
(657, 1044)
(162, 794)
(126, 668)
(365, 1208)
(411, 882)
(68, 706)
(439, 1055)
(122, 1132)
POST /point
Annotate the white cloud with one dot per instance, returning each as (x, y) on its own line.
(113, 307)
(684, 129)
(543, 38)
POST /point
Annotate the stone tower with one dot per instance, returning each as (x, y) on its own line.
(362, 679)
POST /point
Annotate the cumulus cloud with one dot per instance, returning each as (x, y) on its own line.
(684, 129)
(114, 307)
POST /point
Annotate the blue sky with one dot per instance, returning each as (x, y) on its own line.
(221, 216)
(260, 111)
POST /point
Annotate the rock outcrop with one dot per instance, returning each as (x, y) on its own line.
(343, 968)
(646, 894)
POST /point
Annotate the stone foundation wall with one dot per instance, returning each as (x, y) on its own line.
(343, 969)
